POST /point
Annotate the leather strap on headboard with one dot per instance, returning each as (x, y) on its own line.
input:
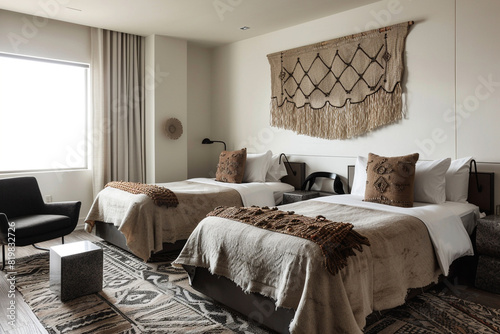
(482, 191)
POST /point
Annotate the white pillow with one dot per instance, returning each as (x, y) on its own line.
(359, 182)
(430, 181)
(276, 170)
(256, 167)
(457, 180)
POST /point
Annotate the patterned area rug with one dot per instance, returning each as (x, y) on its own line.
(436, 312)
(137, 297)
(140, 297)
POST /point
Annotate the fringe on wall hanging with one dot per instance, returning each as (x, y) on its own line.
(341, 88)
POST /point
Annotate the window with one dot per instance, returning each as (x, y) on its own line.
(43, 114)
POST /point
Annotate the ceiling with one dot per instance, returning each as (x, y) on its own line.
(209, 22)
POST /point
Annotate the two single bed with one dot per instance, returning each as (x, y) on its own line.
(280, 281)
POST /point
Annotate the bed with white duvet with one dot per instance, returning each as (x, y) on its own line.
(135, 223)
(409, 248)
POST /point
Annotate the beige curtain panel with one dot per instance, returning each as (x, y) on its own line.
(118, 75)
(340, 88)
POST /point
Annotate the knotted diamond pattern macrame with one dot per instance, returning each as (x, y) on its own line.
(340, 88)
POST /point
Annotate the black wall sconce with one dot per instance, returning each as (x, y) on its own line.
(288, 162)
(208, 141)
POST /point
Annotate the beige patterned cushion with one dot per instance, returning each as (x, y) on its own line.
(231, 167)
(390, 180)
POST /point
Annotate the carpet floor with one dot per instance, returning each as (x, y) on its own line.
(437, 312)
(154, 297)
(137, 297)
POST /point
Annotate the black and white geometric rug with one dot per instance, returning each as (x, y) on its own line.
(437, 312)
(137, 297)
(140, 297)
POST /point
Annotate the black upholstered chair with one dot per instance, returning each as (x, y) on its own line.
(26, 219)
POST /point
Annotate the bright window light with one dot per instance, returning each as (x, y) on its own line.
(43, 114)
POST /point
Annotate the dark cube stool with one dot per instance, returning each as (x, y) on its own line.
(76, 269)
(488, 249)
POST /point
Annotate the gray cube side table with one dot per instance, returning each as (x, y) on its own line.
(488, 249)
(76, 269)
(299, 195)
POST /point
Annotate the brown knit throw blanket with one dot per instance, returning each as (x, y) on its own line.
(336, 240)
(161, 196)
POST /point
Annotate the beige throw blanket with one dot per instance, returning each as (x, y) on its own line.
(336, 240)
(146, 226)
(289, 269)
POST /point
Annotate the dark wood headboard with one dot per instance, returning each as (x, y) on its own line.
(299, 177)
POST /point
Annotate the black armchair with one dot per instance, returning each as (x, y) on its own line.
(26, 219)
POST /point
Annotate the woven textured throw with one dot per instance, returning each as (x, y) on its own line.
(340, 88)
(336, 240)
(161, 196)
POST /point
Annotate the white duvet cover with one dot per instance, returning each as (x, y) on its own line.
(254, 193)
(147, 226)
(449, 236)
(290, 270)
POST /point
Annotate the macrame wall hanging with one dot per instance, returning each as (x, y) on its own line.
(340, 88)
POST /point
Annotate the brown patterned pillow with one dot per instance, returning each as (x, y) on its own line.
(231, 167)
(390, 180)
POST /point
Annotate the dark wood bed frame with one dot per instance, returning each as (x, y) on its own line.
(263, 310)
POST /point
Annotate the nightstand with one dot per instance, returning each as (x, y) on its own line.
(488, 249)
(299, 195)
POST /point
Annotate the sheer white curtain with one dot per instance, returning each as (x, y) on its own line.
(118, 75)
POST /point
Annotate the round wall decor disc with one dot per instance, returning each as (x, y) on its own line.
(173, 128)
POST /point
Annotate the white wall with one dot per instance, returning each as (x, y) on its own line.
(24, 34)
(198, 114)
(34, 36)
(478, 85)
(242, 83)
(478, 79)
(440, 75)
(181, 80)
(166, 97)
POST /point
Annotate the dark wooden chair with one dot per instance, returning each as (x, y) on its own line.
(25, 219)
(338, 186)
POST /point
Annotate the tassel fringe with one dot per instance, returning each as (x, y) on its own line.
(349, 121)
